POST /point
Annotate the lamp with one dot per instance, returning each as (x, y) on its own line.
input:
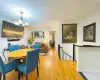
(21, 21)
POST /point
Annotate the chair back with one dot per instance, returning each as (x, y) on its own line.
(13, 47)
(2, 68)
(36, 46)
(32, 60)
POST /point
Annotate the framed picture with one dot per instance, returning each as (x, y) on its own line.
(89, 32)
(39, 34)
(69, 33)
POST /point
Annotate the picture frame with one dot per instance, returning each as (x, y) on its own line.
(69, 33)
(89, 33)
(39, 34)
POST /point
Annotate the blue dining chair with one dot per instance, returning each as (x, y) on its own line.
(5, 68)
(13, 47)
(36, 46)
(31, 63)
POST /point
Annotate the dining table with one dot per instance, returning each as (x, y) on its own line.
(19, 54)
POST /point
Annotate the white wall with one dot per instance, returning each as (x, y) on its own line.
(67, 47)
(4, 42)
(87, 59)
(88, 55)
(46, 27)
(95, 17)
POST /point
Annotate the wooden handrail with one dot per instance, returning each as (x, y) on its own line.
(61, 48)
(67, 54)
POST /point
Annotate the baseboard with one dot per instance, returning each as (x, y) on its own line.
(84, 77)
(90, 71)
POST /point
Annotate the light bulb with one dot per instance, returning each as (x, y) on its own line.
(26, 23)
(20, 21)
(23, 24)
(16, 23)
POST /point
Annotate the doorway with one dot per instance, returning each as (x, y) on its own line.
(52, 38)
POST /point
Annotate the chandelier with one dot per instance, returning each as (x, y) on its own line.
(21, 21)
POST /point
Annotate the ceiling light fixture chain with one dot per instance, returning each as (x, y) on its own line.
(21, 15)
(21, 21)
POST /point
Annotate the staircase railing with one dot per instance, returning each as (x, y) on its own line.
(63, 55)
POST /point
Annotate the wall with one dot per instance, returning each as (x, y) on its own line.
(91, 57)
(87, 59)
(4, 42)
(94, 17)
(46, 27)
(67, 47)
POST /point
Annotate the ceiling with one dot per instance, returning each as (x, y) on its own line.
(43, 10)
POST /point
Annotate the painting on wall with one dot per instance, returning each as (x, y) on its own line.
(39, 34)
(69, 33)
(89, 33)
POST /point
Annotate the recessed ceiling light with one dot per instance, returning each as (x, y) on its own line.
(17, 11)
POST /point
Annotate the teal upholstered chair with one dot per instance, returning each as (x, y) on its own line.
(5, 68)
(10, 49)
(31, 63)
(13, 47)
(36, 46)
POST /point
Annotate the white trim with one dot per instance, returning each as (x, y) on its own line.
(89, 71)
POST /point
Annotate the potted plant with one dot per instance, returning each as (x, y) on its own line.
(31, 40)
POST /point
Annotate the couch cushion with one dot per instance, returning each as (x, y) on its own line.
(43, 47)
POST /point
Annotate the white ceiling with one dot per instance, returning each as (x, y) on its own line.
(43, 10)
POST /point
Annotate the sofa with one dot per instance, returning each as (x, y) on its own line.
(43, 47)
(23, 46)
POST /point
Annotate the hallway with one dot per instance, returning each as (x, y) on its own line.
(51, 68)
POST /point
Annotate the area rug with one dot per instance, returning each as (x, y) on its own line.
(83, 76)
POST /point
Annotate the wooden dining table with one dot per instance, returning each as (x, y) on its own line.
(19, 54)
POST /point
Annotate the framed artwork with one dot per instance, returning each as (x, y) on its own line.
(39, 34)
(89, 33)
(69, 33)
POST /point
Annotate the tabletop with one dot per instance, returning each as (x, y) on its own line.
(17, 54)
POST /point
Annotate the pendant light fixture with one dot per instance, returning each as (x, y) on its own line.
(21, 22)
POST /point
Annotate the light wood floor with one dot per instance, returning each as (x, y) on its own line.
(51, 68)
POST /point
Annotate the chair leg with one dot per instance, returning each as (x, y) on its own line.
(21, 73)
(37, 71)
(26, 77)
(0, 76)
(18, 75)
(39, 59)
(16, 69)
(4, 77)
